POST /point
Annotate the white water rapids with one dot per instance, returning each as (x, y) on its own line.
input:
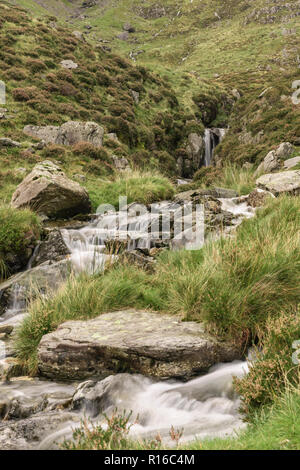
(205, 407)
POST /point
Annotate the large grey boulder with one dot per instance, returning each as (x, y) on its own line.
(69, 133)
(72, 132)
(284, 182)
(46, 133)
(48, 191)
(273, 160)
(132, 341)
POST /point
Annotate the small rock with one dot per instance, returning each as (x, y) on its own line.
(128, 27)
(123, 36)
(136, 96)
(68, 64)
(6, 142)
(79, 35)
(121, 163)
(284, 150)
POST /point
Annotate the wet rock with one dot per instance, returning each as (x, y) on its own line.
(130, 341)
(195, 147)
(23, 397)
(278, 183)
(28, 433)
(52, 249)
(191, 195)
(48, 191)
(25, 285)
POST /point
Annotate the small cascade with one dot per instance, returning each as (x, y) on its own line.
(16, 305)
(203, 407)
(212, 138)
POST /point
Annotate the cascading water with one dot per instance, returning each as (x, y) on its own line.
(204, 407)
(212, 138)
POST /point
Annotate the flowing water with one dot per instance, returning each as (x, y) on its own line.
(212, 137)
(204, 407)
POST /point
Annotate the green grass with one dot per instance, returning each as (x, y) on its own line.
(18, 229)
(143, 188)
(234, 285)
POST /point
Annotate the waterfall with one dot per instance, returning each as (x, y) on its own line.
(212, 138)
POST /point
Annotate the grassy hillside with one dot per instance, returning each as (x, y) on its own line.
(41, 92)
(205, 47)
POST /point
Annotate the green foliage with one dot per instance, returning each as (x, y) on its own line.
(144, 188)
(234, 285)
(18, 229)
(273, 371)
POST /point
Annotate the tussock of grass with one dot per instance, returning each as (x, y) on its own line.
(141, 187)
(17, 229)
(230, 176)
(234, 285)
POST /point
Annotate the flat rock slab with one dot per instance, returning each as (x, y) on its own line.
(278, 183)
(131, 341)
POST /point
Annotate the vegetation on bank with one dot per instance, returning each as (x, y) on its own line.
(19, 228)
(141, 187)
(235, 285)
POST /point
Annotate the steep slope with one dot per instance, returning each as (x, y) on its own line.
(250, 46)
(139, 106)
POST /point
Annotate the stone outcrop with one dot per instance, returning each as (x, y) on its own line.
(274, 158)
(48, 191)
(69, 64)
(283, 182)
(195, 148)
(130, 341)
(291, 163)
(69, 133)
(72, 132)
